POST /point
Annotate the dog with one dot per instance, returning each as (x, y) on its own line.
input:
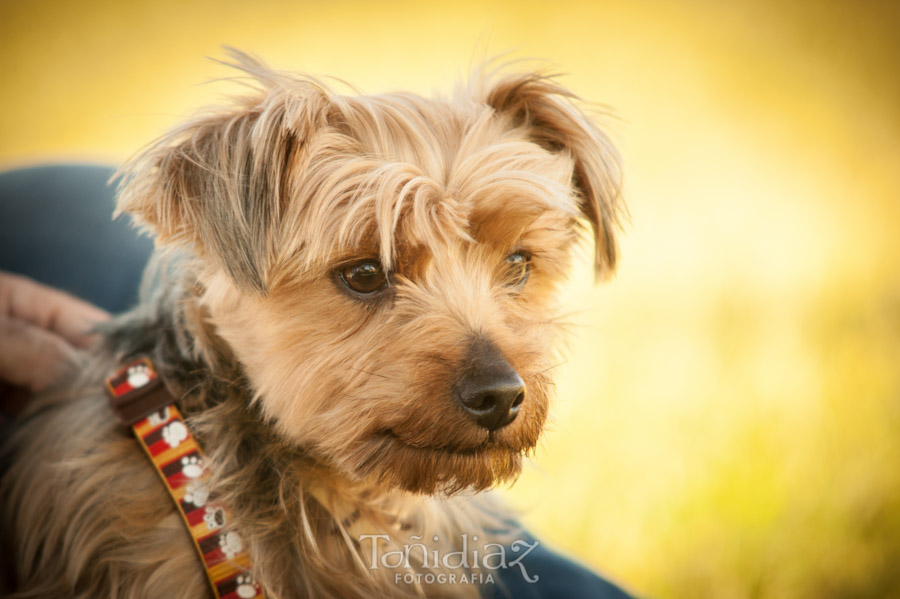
(355, 307)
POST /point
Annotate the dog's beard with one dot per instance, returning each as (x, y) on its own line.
(437, 470)
(431, 469)
(436, 450)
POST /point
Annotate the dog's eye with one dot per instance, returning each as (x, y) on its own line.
(518, 266)
(364, 277)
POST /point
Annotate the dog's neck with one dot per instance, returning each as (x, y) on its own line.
(300, 511)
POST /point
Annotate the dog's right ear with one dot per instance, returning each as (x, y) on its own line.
(218, 184)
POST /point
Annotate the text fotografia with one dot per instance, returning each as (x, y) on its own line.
(476, 566)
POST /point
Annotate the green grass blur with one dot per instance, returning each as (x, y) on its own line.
(727, 421)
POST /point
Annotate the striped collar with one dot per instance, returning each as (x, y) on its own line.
(141, 401)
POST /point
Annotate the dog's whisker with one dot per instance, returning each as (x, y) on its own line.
(372, 373)
(557, 365)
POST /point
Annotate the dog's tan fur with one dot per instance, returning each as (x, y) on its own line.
(324, 417)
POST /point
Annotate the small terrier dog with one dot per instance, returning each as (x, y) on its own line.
(355, 309)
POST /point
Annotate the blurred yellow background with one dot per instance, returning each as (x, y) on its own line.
(727, 422)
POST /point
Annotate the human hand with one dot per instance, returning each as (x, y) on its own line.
(41, 331)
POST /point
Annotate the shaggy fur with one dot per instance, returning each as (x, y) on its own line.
(325, 415)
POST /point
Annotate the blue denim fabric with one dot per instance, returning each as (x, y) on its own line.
(545, 574)
(56, 227)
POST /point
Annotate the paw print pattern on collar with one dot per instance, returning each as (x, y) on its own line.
(166, 439)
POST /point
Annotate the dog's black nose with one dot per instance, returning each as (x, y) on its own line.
(490, 391)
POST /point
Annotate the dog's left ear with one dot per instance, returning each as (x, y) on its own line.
(218, 184)
(554, 121)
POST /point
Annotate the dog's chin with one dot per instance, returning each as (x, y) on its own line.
(439, 470)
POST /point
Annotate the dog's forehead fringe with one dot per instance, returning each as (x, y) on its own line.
(403, 169)
(295, 176)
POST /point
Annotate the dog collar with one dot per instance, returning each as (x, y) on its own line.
(142, 402)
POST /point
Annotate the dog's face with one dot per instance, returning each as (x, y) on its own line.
(384, 268)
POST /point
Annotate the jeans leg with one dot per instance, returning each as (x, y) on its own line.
(56, 227)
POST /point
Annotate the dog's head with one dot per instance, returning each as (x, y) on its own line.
(384, 267)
